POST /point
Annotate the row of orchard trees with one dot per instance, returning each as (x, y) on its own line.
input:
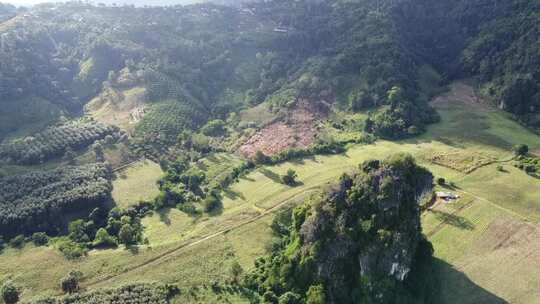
(38, 201)
(55, 141)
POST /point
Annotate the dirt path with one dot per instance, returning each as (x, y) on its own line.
(170, 253)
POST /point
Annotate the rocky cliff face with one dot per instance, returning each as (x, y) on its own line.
(359, 239)
(369, 224)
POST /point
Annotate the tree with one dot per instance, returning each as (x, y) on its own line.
(212, 202)
(214, 128)
(104, 239)
(70, 283)
(17, 242)
(109, 140)
(126, 235)
(98, 151)
(359, 100)
(10, 292)
(315, 295)
(40, 239)
(260, 158)
(269, 297)
(441, 181)
(395, 95)
(290, 298)
(77, 231)
(289, 178)
(521, 150)
(69, 156)
(236, 270)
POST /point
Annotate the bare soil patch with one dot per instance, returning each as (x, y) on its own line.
(461, 92)
(297, 130)
(123, 108)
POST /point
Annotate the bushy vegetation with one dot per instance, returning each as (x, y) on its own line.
(355, 244)
(55, 141)
(38, 201)
(531, 165)
(9, 292)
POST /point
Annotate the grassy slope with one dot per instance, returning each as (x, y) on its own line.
(136, 183)
(462, 129)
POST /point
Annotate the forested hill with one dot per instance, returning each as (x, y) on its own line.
(214, 60)
(495, 42)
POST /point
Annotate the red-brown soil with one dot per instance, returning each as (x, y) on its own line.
(297, 130)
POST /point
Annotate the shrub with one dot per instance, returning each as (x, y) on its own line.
(290, 298)
(212, 202)
(70, 283)
(269, 297)
(104, 239)
(214, 128)
(289, 178)
(260, 158)
(236, 270)
(127, 235)
(40, 239)
(71, 250)
(17, 242)
(315, 295)
(521, 150)
(441, 181)
(10, 292)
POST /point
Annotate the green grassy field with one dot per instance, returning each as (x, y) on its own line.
(136, 183)
(466, 235)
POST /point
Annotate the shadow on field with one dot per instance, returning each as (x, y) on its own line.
(164, 215)
(454, 220)
(231, 194)
(456, 287)
(271, 175)
(247, 178)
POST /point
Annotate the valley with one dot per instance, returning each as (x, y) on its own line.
(270, 152)
(466, 234)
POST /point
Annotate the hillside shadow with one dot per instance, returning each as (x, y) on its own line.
(271, 175)
(453, 220)
(456, 287)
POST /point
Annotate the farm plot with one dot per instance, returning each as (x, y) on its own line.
(491, 248)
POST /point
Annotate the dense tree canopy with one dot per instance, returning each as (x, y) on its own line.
(38, 201)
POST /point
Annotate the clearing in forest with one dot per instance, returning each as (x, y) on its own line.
(298, 130)
(136, 183)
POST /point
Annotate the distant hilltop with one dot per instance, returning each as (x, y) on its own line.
(127, 2)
